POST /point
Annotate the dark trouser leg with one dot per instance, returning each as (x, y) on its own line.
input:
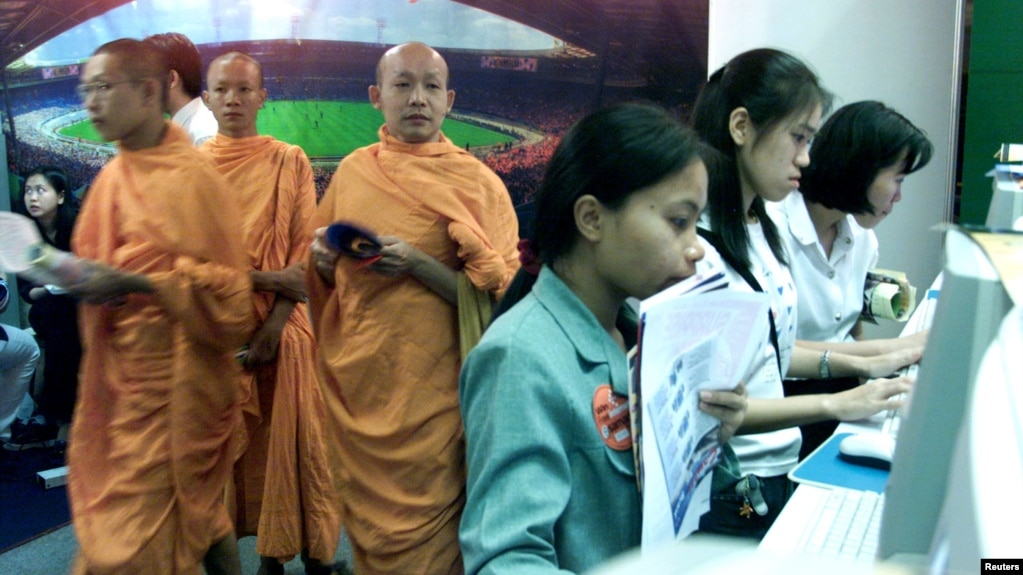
(222, 557)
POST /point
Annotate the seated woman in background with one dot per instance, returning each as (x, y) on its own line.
(760, 111)
(48, 199)
(861, 155)
(615, 217)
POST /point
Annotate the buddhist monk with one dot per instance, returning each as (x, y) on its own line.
(284, 492)
(167, 302)
(388, 330)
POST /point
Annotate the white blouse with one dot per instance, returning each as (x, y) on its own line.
(775, 452)
(830, 289)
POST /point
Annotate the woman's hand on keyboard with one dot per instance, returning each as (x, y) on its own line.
(887, 363)
(865, 400)
(915, 340)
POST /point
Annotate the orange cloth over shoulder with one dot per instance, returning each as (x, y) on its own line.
(389, 351)
(284, 489)
(155, 426)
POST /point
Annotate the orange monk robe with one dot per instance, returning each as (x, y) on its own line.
(155, 426)
(389, 351)
(284, 489)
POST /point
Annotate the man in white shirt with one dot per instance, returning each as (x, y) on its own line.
(184, 87)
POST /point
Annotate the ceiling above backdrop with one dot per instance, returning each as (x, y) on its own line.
(662, 39)
(27, 24)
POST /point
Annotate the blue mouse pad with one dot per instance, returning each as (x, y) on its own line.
(824, 468)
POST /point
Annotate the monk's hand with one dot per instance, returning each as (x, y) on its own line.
(727, 406)
(264, 344)
(291, 283)
(106, 285)
(396, 257)
(324, 257)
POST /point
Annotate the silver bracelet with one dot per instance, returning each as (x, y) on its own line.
(825, 367)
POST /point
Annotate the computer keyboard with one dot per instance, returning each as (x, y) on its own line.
(890, 425)
(845, 524)
(910, 370)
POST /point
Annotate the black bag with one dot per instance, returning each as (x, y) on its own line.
(746, 507)
(743, 505)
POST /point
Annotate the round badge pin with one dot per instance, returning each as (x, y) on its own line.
(611, 417)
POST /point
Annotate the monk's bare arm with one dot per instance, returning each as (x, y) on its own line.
(289, 282)
(399, 257)
(104, 284)
(436, 276)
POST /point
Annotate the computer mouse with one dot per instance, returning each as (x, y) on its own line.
(869, 449)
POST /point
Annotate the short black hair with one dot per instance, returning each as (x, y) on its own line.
(852, 147)
(182, 57)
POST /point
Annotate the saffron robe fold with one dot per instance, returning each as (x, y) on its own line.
(388, 347)
(155, 427)
(284, 490)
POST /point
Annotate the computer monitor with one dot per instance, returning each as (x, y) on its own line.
(980, 518)
(969, 311)
(1006, 209)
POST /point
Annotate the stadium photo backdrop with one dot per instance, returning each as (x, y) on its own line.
(522, 72)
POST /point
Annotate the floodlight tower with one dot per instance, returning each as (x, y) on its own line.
(215, 10)
(296, 21)
(381, 24)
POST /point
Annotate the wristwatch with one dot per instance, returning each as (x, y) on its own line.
(825, 367)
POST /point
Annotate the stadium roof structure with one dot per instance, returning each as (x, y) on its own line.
(664, 41)
(26, 24)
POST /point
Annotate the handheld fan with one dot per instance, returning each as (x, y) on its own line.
(353, 241)
(23, 252)
(18, 236)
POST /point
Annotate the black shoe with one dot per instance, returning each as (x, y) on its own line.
(270, 566)
(314, 567)
(8, 471)
(31, 435)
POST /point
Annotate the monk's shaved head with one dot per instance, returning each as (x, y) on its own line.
(410, 49)
(138, 60)
(225, 58)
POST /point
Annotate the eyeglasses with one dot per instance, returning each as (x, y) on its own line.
(100, 89)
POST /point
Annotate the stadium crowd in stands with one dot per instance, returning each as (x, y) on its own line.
(502, 102)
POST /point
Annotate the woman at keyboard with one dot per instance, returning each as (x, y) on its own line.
(760, 111)
(860, 158)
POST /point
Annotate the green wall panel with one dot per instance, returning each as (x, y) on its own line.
(994, 99)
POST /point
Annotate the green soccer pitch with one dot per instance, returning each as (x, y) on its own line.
(328, 128)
